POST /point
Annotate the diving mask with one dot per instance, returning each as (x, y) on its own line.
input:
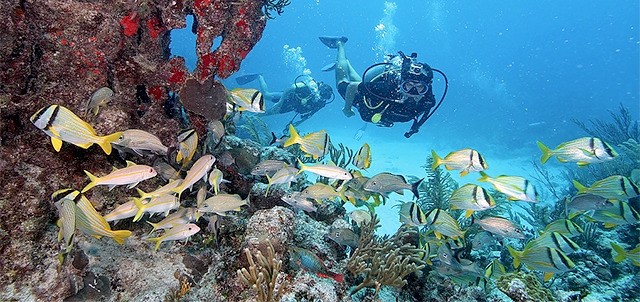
(414, 87)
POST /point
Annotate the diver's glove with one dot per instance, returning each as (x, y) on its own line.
(411, 132)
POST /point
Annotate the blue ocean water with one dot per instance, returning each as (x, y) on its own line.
(518, 71)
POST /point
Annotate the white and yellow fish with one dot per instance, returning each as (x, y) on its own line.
(123, 211)
(61, 124)
(222, 203)
(465, 160)
(247, 99)
(215, 179)
(198, 171)
(161, 204)
(168, 188)
(179, 217)
(315, 144)
(471, 198)
(177, 232)
(613, 187)
(90, 222)
(328, 171)
(131, 175)
(583, 151)
(362, 159)
(412, 215)
(515, 187)
(187, 146)
(545, 259)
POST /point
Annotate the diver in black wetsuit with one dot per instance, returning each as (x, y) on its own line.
(395, 91)
(305, 96)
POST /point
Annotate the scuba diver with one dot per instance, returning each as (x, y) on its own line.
(305, 96)
(397, 90)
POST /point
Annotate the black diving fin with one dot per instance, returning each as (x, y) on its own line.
(332, 42)
(241, 80)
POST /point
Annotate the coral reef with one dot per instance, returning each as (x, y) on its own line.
(263, 276)
(383, 261)
(60, 52)
(522, 287)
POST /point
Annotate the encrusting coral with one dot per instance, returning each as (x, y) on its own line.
(263, 276)
(523, 287)
(383, 261)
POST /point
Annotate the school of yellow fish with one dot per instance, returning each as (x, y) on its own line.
(604, 201)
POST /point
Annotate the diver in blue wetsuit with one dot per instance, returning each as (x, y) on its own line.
(398, 90)
(305, 96)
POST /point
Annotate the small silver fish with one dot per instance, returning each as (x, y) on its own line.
(360, 217)
(216, 128)
(165, 170)
(285, 175)
(344, 236)
(386, 182)
(328, 171)
(123, 211)
(222, 203)
(99, 98)
(139, 141)
(268, 167)
(179, 217)
(500, 226)
(319, 191)
(587, 202)
(297, 201)
(160, 204)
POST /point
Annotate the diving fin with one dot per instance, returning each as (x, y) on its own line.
(329, 67)
(332, 42)
(241, 80)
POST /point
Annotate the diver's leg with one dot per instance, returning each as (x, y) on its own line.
(273, 96)
(343, 67)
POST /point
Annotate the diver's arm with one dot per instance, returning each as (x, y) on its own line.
(415, 127)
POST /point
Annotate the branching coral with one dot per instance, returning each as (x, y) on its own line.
(263, 276)
(277, 6)
(383, 261)
(341, 156)
(620, 130)
(436, 188)
(257, 129)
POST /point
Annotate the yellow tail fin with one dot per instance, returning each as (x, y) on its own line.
(93, 181)
(516, 256)
(105, 141)
(293, 136)
(546, 152)
(581, 188)
(141, 208)
(621, 253)
(121, 236)
(436, 160)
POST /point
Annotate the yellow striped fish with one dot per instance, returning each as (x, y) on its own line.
(412, 215)
(548, 260)
(443, 224)
(247, 99)
(465, 160)
(471, 198)
(187, 146)
(515, 187)
(583, 151)
(177, 232)
(362, 160)
(315, 144)
(613, 187)
(61, 124)
(90, 222)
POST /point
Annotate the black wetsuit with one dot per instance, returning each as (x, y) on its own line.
(294, 102)
(384, 96)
